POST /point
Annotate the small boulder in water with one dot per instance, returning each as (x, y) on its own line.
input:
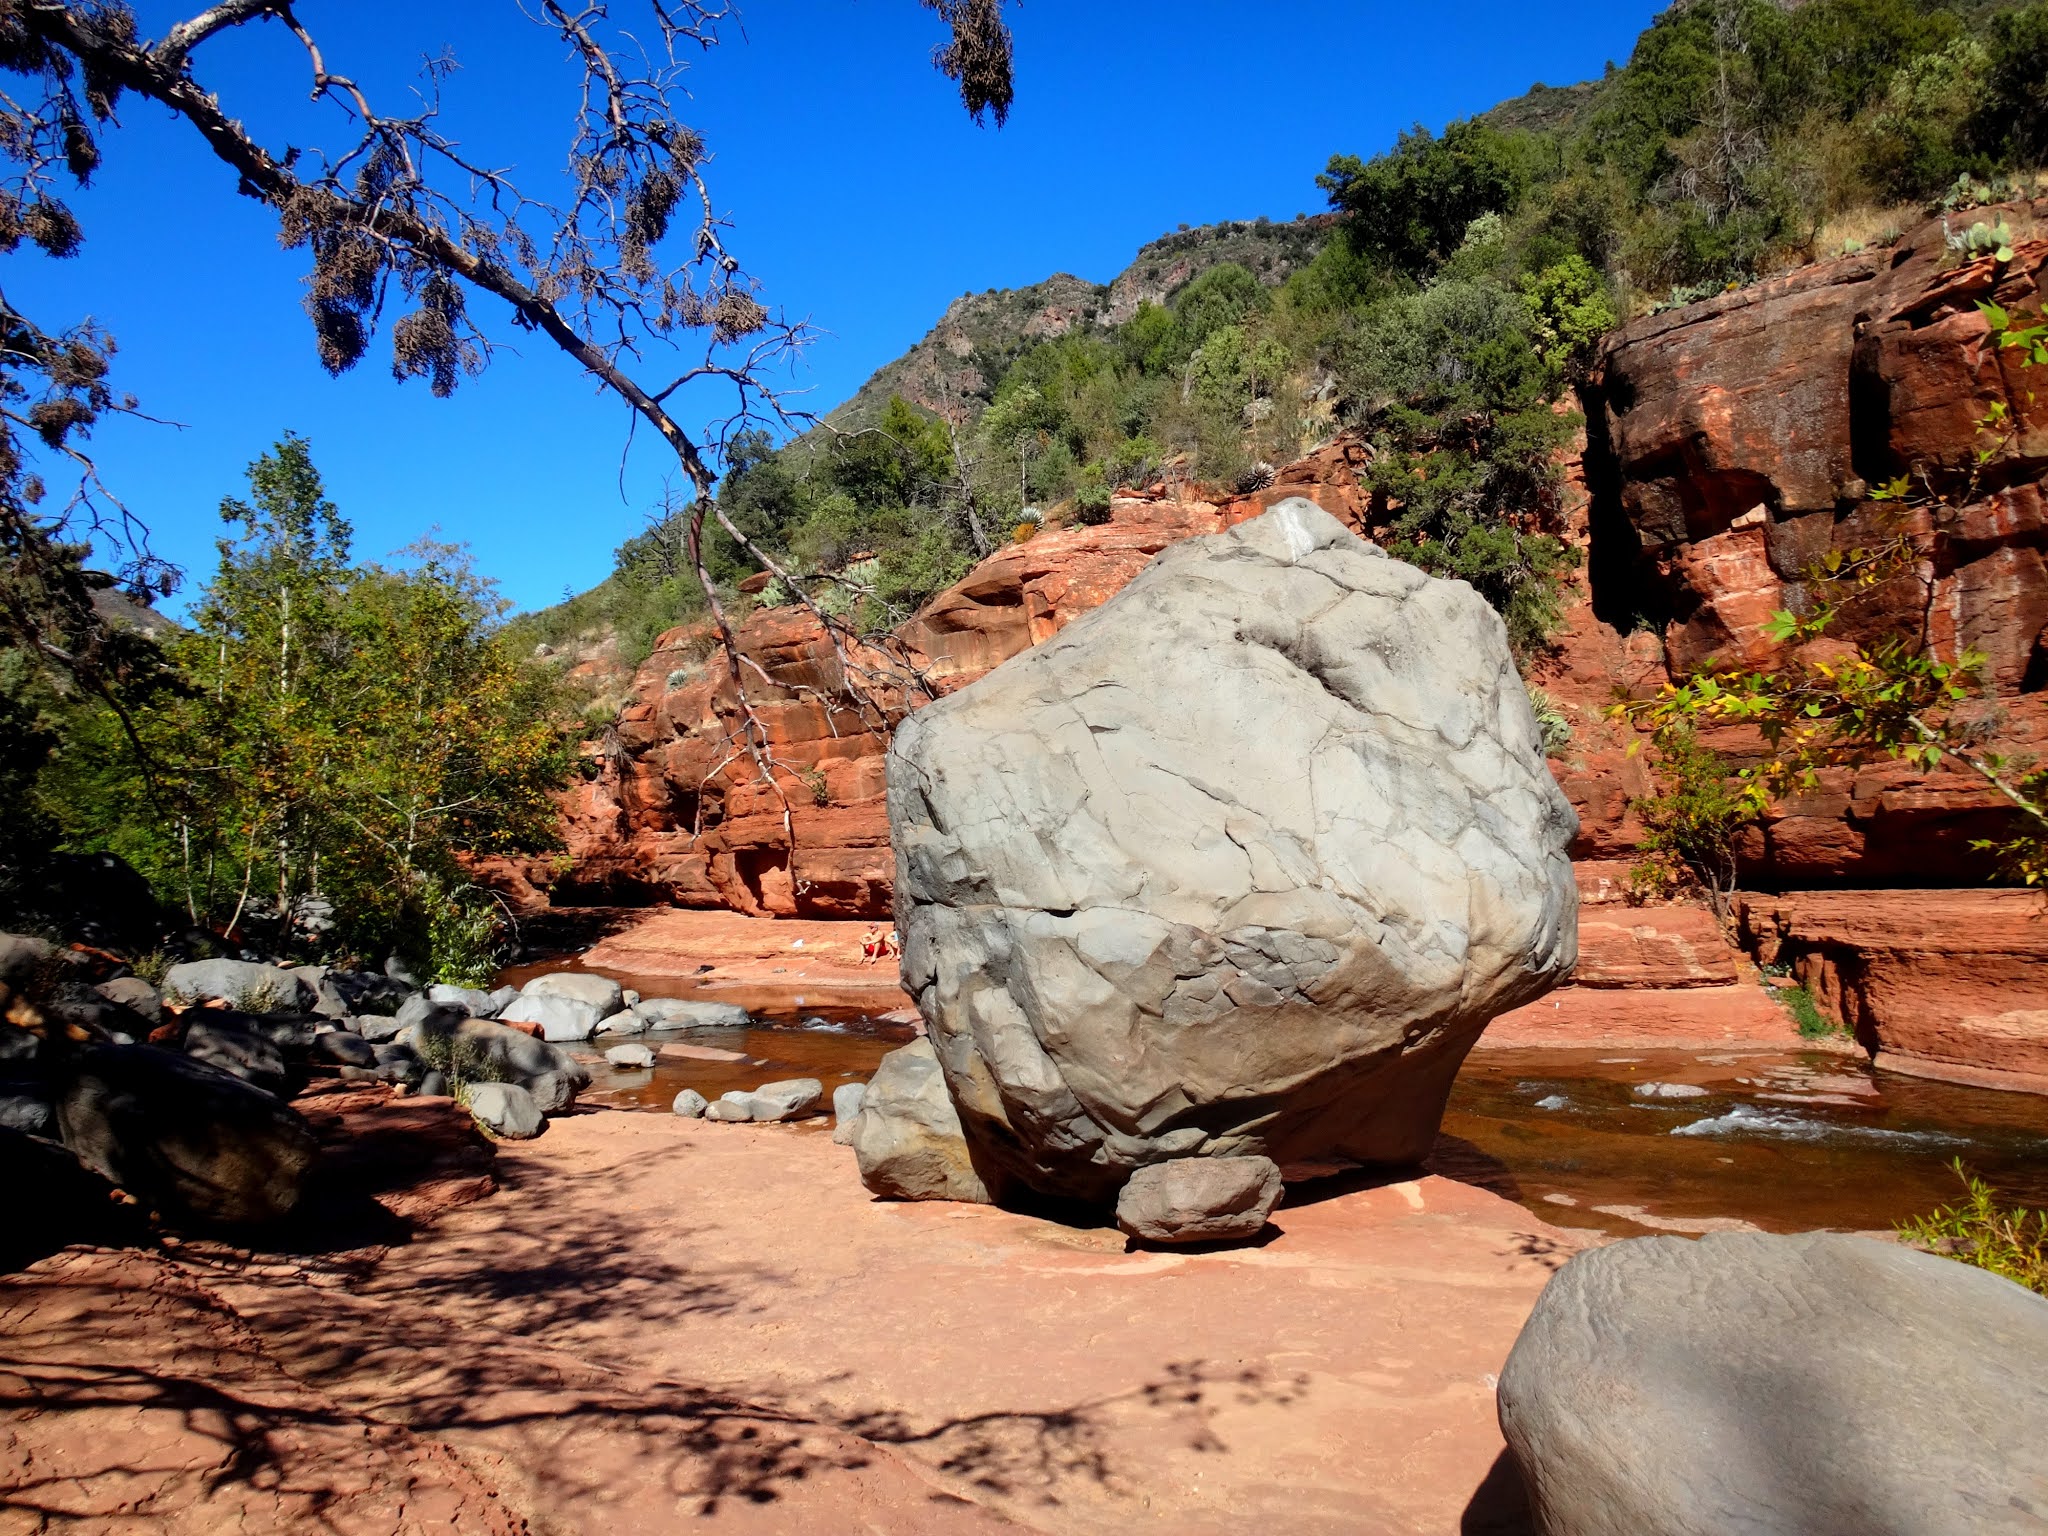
(600, 992)
(1669, 1091)
(787, 1100)
(690, 1104)
(690, 1013)
(561, 1020)
(630, 1058)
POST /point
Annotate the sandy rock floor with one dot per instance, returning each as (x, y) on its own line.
(657, 1323)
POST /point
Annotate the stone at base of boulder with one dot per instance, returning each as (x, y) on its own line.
(1957, 1072)
(1199, 1200)
(846, 1102)
(731, 1110)
(690, 1104)
(907, 1138)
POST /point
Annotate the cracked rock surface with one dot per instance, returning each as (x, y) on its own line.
(1239, 864)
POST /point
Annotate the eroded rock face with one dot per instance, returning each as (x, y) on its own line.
(1779, 1386)
(1239, 864)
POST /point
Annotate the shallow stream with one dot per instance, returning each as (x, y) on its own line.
(1782, 1140)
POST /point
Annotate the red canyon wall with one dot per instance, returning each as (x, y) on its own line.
(1731, 445)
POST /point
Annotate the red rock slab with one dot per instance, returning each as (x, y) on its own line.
(1954, 978)
(1337, 1379)
(1683, 1017)
(1665, 947)
(763, 964)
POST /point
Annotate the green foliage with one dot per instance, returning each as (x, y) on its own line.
(1981, 1232)
(338, 731)
(1410, 208)
(1692, 821)
(1454, 394)
(2010, 122)
(1569, 312)
(1806, 1015)
(1553, 726)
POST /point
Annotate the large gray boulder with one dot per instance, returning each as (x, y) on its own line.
(242, 984)
(906, 1138)
(1241, 863)
(1749, 1385)
(183, 1137)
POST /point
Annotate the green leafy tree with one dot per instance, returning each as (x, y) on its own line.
(1410, 208)
(343, 736)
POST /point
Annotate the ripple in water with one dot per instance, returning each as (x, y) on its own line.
(1752, 1120)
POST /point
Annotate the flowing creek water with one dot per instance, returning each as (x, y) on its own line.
(1781, 1140)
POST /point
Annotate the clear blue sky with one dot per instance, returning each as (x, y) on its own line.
(864, 200)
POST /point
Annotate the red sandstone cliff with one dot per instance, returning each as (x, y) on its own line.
(1731, 445)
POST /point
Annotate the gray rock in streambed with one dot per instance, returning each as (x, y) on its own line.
(225, 1042)
(243, 984)
(731, 1109)
(183, 1137)
(690, 1104)
(1199, 1200)
(846, 1102)
(562, 1020)
(478, 1050)
(600, 992)
(474, 1003)
(791, 1099)
(504, 1109)
(691, 1013)
(630, 1058)
(1751, 1385)
(134, 994)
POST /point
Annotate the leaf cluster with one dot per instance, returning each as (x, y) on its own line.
(1980, 1231)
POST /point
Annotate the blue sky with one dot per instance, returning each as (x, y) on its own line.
(863, 199)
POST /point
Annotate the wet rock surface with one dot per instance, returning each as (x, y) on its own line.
(1241, 863)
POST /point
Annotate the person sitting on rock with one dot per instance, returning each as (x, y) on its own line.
(892, 947)
(872, 945)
